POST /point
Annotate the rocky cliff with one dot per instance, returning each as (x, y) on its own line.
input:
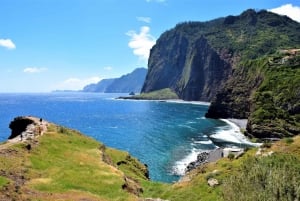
(191, 68)
(226, 61)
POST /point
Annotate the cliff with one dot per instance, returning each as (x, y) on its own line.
(225, 61)
(191, 68)
(131, 82)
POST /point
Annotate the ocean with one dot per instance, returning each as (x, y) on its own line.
(166, 136)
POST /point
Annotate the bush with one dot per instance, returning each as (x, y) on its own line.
(266, 145)
(289, 140)
(276, 177)
(231, 156)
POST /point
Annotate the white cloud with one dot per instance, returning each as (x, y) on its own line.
(108, 68)
(75, 83)
(141, 43)
(34, 70)
(144, 19)
(7, 43)
(289, 10)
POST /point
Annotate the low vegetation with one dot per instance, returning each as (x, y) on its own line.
(64, 164)
(274, 177)
(163, 94)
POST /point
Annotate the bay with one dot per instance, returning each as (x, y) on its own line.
(164, 135)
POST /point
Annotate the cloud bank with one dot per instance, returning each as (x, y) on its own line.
(34, 70)
(141, 42)
(7, 43)
(289, 10)
(75, 83)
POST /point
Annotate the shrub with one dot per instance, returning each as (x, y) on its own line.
(231, 156)
(289, 140)
(276, 177)
(266, 145)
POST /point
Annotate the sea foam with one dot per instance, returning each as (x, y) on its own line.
(232, 134)
(180, 166)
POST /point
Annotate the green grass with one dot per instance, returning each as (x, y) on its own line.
(163, 94)
(73, 162)
(3, 181)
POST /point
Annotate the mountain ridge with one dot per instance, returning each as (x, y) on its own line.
(131, 82)
(225, 61)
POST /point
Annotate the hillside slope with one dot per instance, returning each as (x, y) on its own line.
(62, 164)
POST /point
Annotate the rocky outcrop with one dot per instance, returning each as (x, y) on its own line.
(18, 126)
(27, 127)
(205, 157)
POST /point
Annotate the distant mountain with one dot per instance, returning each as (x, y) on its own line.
(131, 82)
(100, 86)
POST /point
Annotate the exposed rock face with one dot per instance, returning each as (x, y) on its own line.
(202, 158)
(19, 125)
(233, 101)
(27, 127)
(194, 70)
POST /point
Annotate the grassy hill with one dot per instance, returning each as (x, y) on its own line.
(64, 164)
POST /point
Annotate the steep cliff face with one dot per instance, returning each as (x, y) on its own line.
(193, 69)
(227, 61)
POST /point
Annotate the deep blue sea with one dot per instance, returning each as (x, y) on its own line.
(164, 135)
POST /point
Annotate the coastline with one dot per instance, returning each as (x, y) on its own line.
(231, 135)
(179, 101)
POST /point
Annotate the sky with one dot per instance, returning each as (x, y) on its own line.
(48, 45)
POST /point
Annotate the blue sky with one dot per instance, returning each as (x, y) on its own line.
(66, 44)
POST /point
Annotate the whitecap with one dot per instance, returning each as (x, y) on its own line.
(231, 135)
(180, 166)
(203, 142)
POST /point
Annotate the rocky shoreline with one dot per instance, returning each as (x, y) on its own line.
(216, 154)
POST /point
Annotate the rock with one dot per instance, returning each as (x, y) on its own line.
(212, 182)
(18, 126)
(201, 159)
(132, 186)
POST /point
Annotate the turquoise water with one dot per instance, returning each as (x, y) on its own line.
(165, 136)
